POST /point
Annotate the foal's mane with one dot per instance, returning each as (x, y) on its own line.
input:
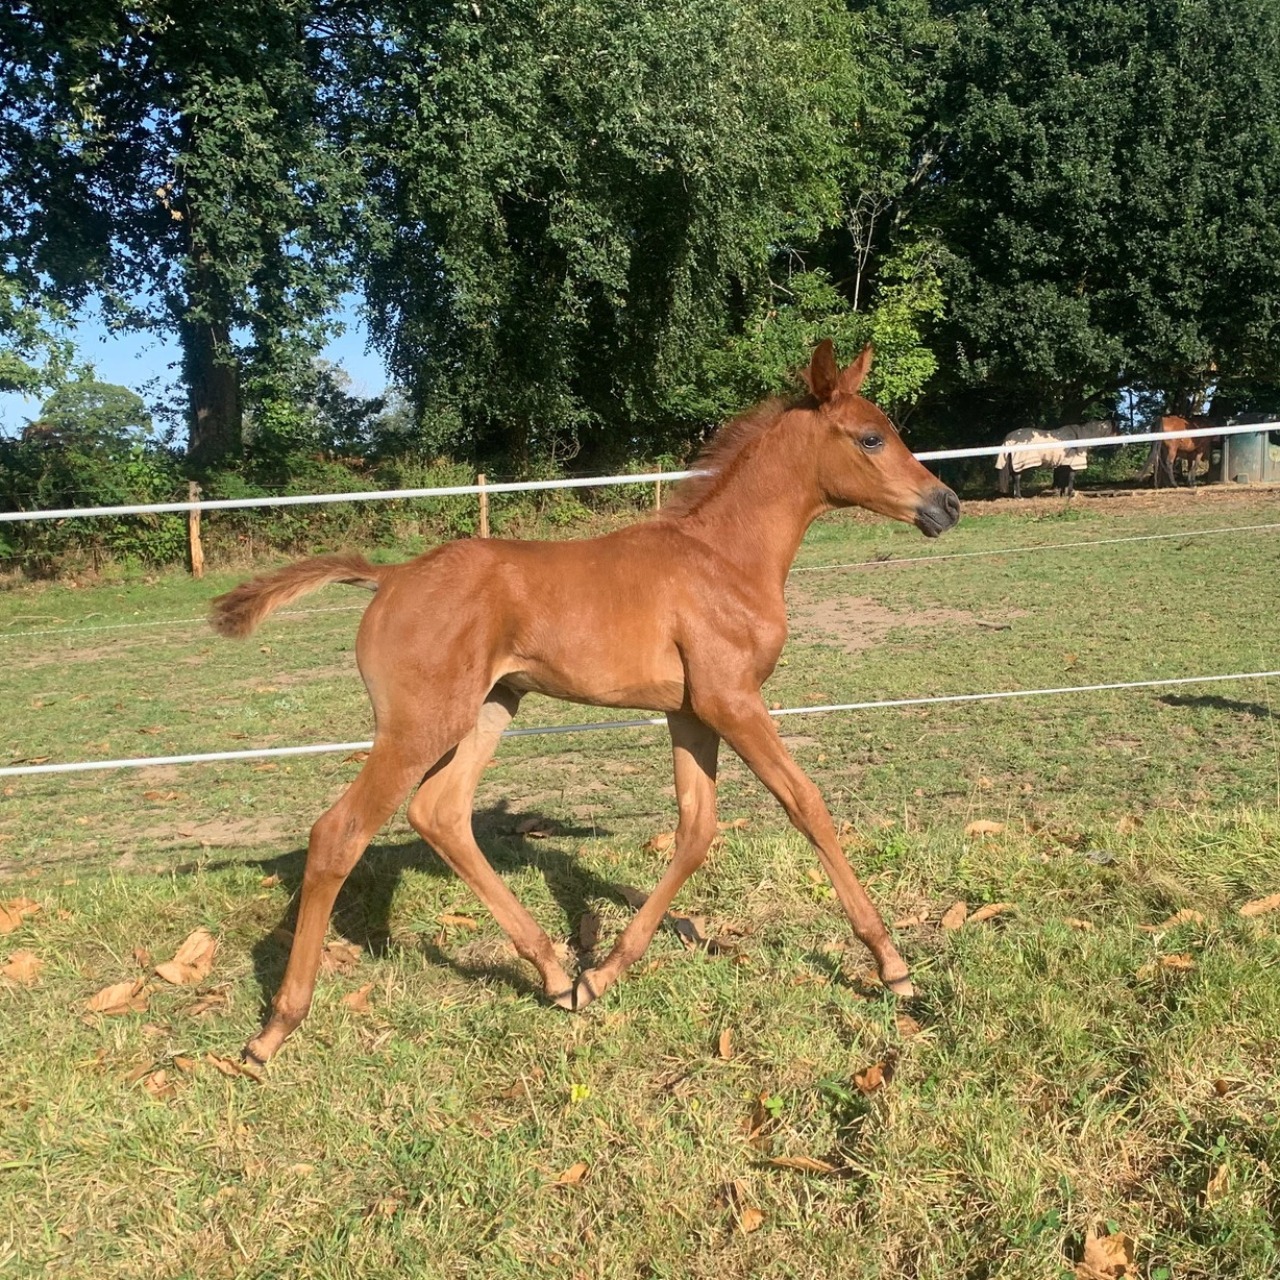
(717, 457)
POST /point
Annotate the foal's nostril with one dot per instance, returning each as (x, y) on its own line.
(951, 505)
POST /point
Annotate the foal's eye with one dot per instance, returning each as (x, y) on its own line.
(871, 443)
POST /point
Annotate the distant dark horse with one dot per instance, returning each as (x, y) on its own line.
(1164, 453)
(1054, 453)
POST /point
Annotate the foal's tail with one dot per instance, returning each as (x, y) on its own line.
(241, 610)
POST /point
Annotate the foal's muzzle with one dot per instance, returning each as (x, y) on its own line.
(937, 512)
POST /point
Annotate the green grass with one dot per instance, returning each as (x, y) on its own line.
(1049, 1079)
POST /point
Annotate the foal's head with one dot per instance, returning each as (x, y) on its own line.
(862, 461)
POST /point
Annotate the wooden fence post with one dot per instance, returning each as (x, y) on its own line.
(484, 507)
(657, 495)
(194, 547)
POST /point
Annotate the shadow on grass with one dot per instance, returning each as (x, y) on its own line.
(362, 913)
(1255, 709)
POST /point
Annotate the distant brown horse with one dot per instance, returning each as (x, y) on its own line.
(683, 613)
(1164, 453)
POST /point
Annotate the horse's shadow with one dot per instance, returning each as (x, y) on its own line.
(362, 913)
(1255, 709)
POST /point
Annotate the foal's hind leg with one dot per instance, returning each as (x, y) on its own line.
(694, 747)
(441, 814)
(337, 841)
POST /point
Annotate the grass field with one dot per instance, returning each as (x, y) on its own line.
(1101, 1056)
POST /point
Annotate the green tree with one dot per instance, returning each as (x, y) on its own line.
(169, 161)
(593, 212)
(89, 410)
(1105, 179)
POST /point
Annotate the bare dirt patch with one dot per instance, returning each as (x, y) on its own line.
(856, 623)
(1173, 501)
(221, 832)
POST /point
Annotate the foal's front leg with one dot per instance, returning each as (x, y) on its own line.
(694, 748)
(743, 722)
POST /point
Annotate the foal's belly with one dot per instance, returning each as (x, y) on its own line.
(656, 691)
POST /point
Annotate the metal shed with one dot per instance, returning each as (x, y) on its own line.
(1249, 458)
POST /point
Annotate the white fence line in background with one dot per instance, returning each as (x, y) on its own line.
(1009, 551)
(143, 762)
(888, 562)
(587, 482)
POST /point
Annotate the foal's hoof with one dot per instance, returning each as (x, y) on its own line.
(582, 993)
(901, 987)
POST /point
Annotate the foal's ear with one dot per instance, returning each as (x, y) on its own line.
(823, 374)
(852, 378)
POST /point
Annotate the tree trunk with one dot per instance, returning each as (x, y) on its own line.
(213, 391)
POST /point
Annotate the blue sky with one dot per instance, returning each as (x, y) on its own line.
(134, 360)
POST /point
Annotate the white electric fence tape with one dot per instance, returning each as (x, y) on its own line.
(586, 482)
(327, 747)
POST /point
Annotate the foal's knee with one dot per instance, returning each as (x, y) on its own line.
(695, 834)
(433, 818)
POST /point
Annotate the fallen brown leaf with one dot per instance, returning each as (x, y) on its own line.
(635, 898)
(234, 1067)
(1185, 916)
(269, 882)
(908, 1026)
(1107, 1258)
(660, 843)
(120, 997)
(750, 1219)
(23, 967)
(912, 921)
(1217, 1184)
(759, 1122)
(358, 1001)
(983, 827)
(193, 961)
(1181, 963)
(185, 1064)
(955, 914)
(871, 1079)
(142, 957)
(457, 922)
(1260, 906)
(991, 910)
(159, 1086)
(13, 912)
(339, 957)
(725, 1044)
(572, 1175)
(208, 1002)
(805, 1164)
(735, 824)
(1078, 924)
(691, 930)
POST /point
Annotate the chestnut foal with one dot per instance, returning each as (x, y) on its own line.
(683, 613)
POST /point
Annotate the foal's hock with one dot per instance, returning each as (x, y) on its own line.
(682, 613)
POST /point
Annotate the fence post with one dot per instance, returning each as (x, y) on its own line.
(194, 547)
(484, 507)
(657, 495)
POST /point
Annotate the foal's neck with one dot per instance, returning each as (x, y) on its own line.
(757, 512)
